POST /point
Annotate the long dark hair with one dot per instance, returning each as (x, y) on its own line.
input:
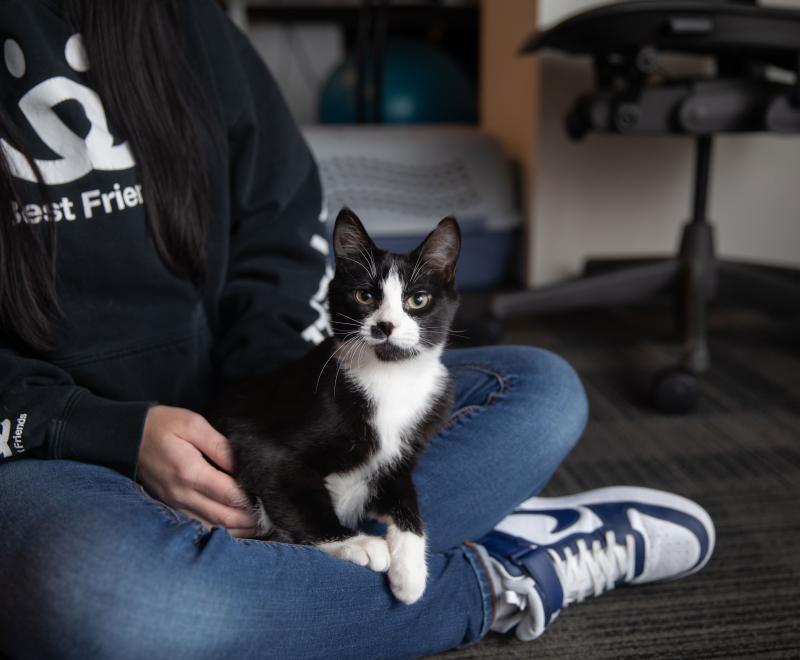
(151, 95)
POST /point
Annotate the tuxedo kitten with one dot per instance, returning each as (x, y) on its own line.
(333, 438)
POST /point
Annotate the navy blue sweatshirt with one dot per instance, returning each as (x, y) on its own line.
(132, 333)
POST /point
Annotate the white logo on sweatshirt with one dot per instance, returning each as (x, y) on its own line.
(319, 329)
(77, 155)
(12, 444)
(5, 429)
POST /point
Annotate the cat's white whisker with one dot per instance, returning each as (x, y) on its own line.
(371, 261)
(359, 321)
(346, 358)
(346, 324)
(332, 355)
(417, 272)
(348, 348)
(414, 270)
(356, 261)
(361, 352)
(346, 320)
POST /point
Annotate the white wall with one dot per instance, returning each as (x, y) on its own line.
(612, 195)
(300, 57)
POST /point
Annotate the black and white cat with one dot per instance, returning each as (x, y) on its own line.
(333, 438)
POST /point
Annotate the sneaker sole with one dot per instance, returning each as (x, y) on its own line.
(620, 494)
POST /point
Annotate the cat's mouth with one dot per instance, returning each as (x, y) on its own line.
(388, 352)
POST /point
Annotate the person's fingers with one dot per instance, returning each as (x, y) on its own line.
(207, 510)
(222, 488)
(195, 515)
(209, 441)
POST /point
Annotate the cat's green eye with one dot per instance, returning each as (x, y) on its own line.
(418, 300)
(364, 297)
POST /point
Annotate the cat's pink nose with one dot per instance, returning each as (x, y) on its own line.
(382, 329)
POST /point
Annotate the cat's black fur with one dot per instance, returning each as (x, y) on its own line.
(292, 428)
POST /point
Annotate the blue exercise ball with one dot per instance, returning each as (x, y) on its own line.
(421, 84)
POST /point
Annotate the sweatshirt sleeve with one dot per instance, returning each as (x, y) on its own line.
(271, 308)
(44, 414)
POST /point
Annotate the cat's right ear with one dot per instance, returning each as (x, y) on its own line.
(350, 239)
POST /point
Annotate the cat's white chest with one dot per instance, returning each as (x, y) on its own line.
(400, 394)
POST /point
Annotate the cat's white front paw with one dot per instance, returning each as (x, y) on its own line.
(408, 571)
(361, 549)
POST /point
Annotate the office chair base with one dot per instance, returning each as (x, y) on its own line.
(693, 278)
(675, 391)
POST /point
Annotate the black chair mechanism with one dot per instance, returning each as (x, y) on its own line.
(755, 87)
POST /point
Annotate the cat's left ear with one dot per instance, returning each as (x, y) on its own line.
(439, 251)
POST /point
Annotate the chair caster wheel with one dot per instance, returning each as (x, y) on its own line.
(675, 391)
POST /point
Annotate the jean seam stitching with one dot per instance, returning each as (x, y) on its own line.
(166, 512)
(200, 532)
(462, 412)
(505, 387)
(502, 377)
(488, 600)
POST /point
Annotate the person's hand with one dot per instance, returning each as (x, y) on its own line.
(172, 467)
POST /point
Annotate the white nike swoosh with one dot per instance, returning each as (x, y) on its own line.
(5, 431)
(539, 528)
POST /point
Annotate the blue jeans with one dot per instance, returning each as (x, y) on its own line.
(91, 567)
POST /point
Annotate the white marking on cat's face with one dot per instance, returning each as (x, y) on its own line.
(405, 333)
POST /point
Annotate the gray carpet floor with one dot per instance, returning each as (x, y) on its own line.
(738, 455)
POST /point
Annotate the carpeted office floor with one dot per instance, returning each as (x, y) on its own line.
(738, 454)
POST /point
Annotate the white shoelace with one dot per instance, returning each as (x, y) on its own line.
(590, 572)
(594, 570)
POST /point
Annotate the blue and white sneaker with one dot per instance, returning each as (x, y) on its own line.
(552, 552)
